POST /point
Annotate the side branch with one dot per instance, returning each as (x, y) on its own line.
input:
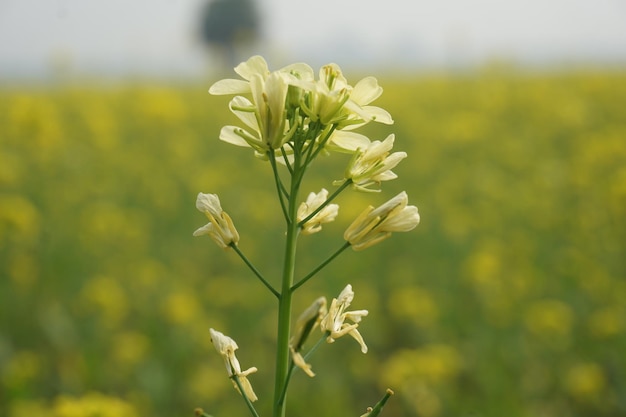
(254, 270)
(292, 366)
(245, 397)
(320, 266)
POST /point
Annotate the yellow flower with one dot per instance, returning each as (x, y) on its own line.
(265, 115)
(335, 321)
(255, 66)
(375, 225)
(326, 96)
(226, 347)
(331, 100)
(373, 164)
(279, 99)
(325, 215)
(347, 142)
(364, 92)
(220, 227)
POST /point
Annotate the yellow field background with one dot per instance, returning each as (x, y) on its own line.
(509, 299)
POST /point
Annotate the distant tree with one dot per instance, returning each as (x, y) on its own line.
(230, 25)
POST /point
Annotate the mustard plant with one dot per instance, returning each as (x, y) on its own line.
(289, 117)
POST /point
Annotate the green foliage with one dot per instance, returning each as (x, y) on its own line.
(508, 299)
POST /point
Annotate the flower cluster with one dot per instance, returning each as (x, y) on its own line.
(290, 111)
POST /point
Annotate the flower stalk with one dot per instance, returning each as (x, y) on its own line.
(255, 271)
(284, 301)
(290, 118)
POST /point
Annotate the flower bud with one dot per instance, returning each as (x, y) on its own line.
(220, 227)
(375, 225)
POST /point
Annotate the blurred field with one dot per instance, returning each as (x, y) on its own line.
(508, 300)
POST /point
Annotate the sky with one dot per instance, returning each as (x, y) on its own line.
(159, 38)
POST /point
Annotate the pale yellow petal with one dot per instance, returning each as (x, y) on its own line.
(229, 86)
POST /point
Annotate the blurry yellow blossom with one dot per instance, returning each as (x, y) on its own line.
(22, 368)
(181, 307)
(102, 124)
(585, 381)
(549, 318)
(11, 169)
(104, 295)
(607, 322)
(29, 408)
(157, 105)
(109, 223)
(93, 404)
(484, 265)
(312, 203)
(19, 219)
(37, 118)
(420, 372)
(432, 364)
(550, 321)
(23, 270)
(413, 304)
(206, 383)
(423, 399)
(129, 348)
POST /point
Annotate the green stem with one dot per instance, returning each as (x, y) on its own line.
(279, 184)
(245, 397)
(322, 143)
(292, 366)
(254, 270)
(320, 266)
(283, 393)
(285, 158)
(316, 345)
(284, 301)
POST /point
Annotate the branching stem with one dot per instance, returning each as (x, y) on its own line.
(320, 266)
(254, 270)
